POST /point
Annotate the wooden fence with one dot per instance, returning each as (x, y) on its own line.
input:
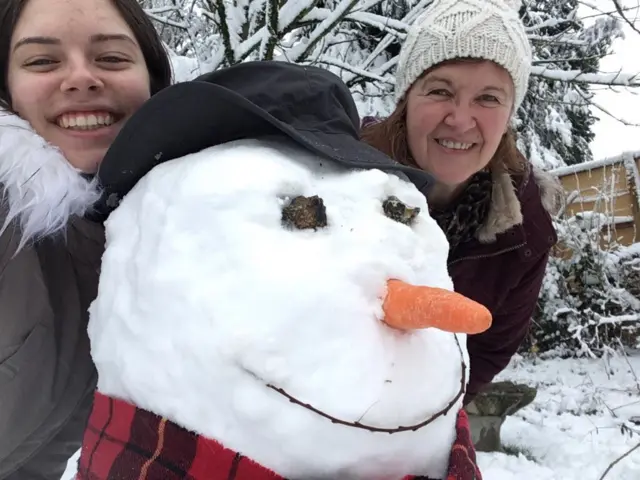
(610, 187)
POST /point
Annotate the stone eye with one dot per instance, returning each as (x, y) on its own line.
(304, 212)
(398, 211)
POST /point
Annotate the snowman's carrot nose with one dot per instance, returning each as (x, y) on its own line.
(408, 307)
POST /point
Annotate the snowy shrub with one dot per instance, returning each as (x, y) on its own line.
(590, 298)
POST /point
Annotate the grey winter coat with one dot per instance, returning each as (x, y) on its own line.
(49, 265)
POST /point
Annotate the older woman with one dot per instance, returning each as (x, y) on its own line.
(462, 75)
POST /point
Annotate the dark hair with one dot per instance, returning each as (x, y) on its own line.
(145, 33)
(390, 136)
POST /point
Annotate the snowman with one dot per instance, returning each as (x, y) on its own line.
(274, 299)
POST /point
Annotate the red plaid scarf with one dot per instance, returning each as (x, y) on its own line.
(123, 442)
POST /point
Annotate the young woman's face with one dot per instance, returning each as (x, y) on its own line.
(456, 117)
(76, 74)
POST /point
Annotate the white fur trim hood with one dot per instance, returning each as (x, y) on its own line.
(40, 190)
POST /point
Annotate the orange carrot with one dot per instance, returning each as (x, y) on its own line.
(408, 307)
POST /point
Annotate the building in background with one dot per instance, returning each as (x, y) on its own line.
(606, 191)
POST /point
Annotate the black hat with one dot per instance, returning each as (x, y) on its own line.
(310, 105)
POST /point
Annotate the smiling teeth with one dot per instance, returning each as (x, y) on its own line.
(90, 121)
(455, 145)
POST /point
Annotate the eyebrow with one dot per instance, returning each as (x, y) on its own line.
(434, 79)
(496, 89)
(98, 38)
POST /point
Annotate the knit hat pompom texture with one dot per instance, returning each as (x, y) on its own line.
(482, 29)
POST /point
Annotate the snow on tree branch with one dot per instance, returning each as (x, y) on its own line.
(396, 28)
(272, 36)
(360, 40)
(567, 41)
(277, 19)
(301, 51)
(166, 21)
(161, 10)
(226, 26)
(621, 79)
(550, 23)
(345, 66)
(389, 39)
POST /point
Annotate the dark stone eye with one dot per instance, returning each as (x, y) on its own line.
(398, 211)
(305, 212)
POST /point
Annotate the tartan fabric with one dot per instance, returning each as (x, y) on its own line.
(462, 461)
(123, 442)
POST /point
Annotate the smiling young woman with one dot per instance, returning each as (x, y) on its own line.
(462, 75)
(76, 71)
(73, 72)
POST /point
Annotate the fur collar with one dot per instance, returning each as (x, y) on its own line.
(505, 211)
(39, 189)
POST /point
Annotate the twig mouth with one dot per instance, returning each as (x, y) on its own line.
(363, 426)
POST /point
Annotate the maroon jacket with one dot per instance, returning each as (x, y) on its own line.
(504, 268)
(505, 276)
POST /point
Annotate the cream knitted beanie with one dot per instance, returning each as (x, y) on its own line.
(450, 29)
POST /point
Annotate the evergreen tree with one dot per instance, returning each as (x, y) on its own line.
(554, 122)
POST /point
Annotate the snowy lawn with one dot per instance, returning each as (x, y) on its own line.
(577, 425)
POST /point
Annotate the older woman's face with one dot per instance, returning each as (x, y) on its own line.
(76, 74)
(456, 117)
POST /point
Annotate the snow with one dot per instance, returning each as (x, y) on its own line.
(596, 164)
(205, 299)
(617, 78)
(578, 424)
(628, 252)
(300, 51)
(183, 68)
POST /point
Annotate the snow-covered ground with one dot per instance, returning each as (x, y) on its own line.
(577, 425)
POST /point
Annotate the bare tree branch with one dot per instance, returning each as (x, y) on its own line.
(623, 16)
(160, 10)
(619, 459)
(602, 13)
(596, 105)
(166, 21)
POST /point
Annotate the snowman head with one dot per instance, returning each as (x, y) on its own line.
(264, 297)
